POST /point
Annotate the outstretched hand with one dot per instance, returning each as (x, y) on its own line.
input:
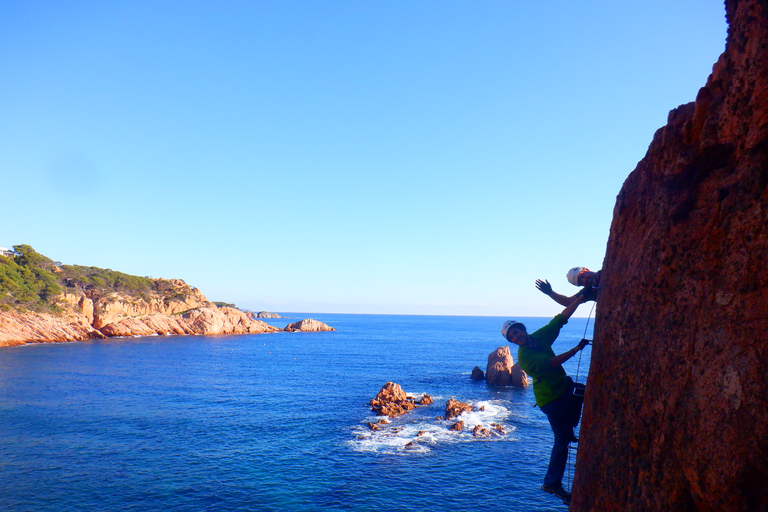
(544, 286)
(583, 343)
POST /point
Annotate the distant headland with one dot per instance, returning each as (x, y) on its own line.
(44, 301)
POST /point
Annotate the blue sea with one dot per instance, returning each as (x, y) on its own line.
(273, 422)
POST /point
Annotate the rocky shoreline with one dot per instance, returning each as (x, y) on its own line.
(84, 315)
(21, 328)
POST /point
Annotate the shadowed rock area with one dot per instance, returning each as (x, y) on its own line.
(676, 406)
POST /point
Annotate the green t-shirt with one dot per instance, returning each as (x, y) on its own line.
(549, 382)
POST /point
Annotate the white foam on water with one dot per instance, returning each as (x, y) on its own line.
(418, 431)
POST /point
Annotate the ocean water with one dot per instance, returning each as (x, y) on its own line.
(272, 422)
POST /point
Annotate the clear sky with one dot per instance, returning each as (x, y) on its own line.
(414, 157)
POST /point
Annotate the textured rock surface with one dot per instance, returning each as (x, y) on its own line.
(308, 325)
(392, 401)
(84, 317)
(264, 314)
(502, 370)
(454, 408)
(20, 328)
(676, 407)
(114, 307)
(209, 320)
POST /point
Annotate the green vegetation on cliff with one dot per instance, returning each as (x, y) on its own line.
(106, 280)
(28, 280)
(31, 280)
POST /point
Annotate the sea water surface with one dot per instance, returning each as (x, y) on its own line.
(272, 422)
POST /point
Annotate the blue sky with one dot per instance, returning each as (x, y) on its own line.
(338, 156)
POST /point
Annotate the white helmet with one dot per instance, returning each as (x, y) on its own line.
(509, 324)
(573, 275)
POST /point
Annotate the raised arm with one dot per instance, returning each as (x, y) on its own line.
(567, 312)
(576, 301)
(546, 288)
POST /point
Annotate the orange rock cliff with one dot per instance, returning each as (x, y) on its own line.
(182, 309)
(676, 406)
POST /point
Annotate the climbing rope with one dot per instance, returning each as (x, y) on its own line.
(578, 365)
(569, 469)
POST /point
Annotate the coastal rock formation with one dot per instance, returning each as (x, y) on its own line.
(210, 320)
(308, 325)
(454, 409)
(477, 374)
(392, 401)
(114, 307)
(677, 397)
(172, 307)
(502, 370)
(263, 314)
(17, 328)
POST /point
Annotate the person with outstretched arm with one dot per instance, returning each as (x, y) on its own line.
(552, 388)
(577, 276)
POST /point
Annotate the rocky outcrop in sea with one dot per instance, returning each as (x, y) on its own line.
(501, 369)
(263, 314)
(308, 325)
(392, 401)
(677, 398)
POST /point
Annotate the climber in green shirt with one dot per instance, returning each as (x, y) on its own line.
(551, 387)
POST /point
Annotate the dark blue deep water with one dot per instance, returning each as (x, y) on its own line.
(272, 422)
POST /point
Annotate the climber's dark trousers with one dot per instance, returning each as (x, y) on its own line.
(563, 414)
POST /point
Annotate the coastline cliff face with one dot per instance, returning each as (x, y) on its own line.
(86, 318)
(677, 398)
(80, 311)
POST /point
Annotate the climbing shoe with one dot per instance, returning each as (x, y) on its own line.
(557, 490)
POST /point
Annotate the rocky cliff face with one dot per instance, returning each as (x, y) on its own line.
(89, 316)
(676, 407)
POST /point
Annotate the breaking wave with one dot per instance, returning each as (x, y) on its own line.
(420, 430)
